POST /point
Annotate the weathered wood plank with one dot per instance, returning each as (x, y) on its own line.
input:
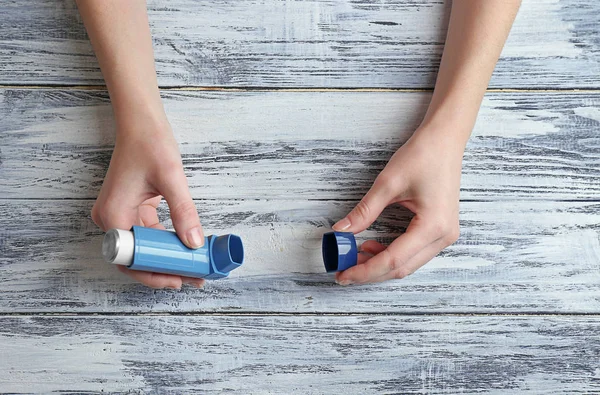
(309, 355)
(512, 257)
(303, 44)
(313, 145)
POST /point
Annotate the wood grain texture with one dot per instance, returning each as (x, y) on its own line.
(310, 145)
(278, 168)
(309, 354)
(312, 43)
(512, 257)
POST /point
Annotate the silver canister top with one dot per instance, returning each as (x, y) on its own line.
(118, 246)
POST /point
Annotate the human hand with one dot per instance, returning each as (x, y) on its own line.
(423, 176)
(145, 166)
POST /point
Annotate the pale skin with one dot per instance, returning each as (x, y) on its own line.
(423, 175)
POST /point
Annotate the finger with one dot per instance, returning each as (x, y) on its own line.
(415, 263)
(154, 202)
(153, 280)
(119, 217)
(196, 282)
(149, 219)
(368, 250)
(367, 210)
(395, 257)
(117, 212)
(96, 217)
(372, 247)
(362, 258)
(183, 211)
(149, 216)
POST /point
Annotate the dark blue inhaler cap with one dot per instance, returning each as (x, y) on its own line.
(339, 251)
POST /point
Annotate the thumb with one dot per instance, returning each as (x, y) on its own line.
(183, 211)
(365, 212)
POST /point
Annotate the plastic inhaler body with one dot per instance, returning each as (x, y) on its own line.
(161, 251)
(339, 251)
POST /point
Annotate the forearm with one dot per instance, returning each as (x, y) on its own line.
(120, 35)
(476, 35)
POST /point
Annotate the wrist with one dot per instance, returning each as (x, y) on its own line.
(132, 98)
(446, 138)
(448, 126)
(141, 117)
(144, 127)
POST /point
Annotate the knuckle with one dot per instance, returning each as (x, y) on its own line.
(401, 273)
(452, 236)
(171, 167)
(438, 229)
(105, 218)
(394, 263)
(109, 213)
(447, 231)
(184, 209)
(442, 229)
(105, 213)
(362, 210)
(150, 282)
(95, 215)
(386, 181)
(170, 171)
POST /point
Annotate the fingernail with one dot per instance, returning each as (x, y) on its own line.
(194, 283)
(344, 282)
(195, 238)
(342, 224)
(197, 284)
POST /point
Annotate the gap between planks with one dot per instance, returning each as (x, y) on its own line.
(287, 89)
(298, 314)
(337, 200)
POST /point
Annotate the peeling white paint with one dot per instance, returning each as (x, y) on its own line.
(540, 32)
(84, 362)
(302, 44)
(503, 118)
(592, 113)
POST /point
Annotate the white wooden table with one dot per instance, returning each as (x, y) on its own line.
(286, 111)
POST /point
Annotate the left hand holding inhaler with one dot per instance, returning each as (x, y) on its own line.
(424, 177)
(146, 165)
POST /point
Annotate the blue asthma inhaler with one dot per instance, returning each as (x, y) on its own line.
(161, 251)
(339, 251)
